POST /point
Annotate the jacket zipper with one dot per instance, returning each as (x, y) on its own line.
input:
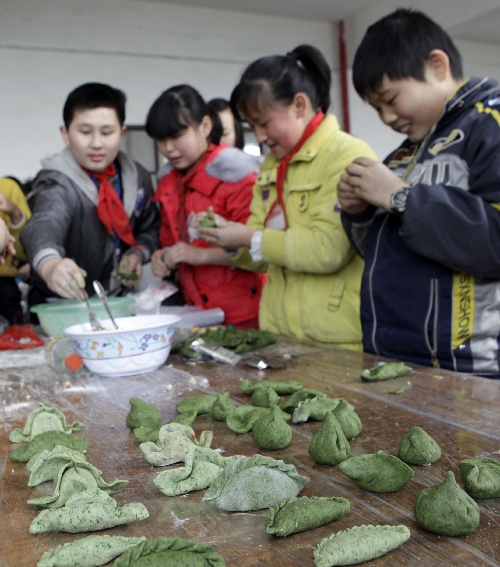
(433, 311)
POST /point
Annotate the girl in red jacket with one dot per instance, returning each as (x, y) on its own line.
(199, 175)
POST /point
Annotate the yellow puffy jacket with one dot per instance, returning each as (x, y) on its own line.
(314, 275)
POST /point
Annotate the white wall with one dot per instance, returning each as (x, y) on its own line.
(48, 47)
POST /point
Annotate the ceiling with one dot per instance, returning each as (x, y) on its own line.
(475, 21)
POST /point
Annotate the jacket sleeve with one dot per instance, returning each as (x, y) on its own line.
(147, 224)
(319, 245)
(45, 234)
(357, 227)
(456, 227)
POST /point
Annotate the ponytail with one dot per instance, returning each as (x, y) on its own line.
(278, 78)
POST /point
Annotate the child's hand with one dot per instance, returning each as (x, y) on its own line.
(231, 236)
(64, 277)
(8, 207)
(184, 252)
(349, 201)
(159, 263)
(373, 181)
(130, 269)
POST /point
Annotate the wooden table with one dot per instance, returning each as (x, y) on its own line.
(460, 412)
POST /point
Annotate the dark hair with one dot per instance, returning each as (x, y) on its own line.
(221, 104)
(94, 95)
(278, 78)
(398, 45)
(176, 109)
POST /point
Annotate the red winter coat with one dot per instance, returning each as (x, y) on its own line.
(224, 183)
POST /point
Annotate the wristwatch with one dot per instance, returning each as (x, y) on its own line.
(398, 200)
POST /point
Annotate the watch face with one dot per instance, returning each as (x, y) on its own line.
(398, 200)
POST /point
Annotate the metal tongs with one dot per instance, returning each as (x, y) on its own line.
(101, 294)
(93, 318)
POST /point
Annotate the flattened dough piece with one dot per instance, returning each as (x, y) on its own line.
(252, 483)
(358, 544)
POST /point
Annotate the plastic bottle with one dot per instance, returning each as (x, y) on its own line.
(62, 356)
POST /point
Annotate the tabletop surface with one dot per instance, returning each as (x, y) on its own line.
(460, 412)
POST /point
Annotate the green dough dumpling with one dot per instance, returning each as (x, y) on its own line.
(358, 544)
(348, 419)
(301, 396)
(170, 552)
(46, 465)
(252, 483)
(377, 472)
(142, 414)
(316, 408)
(446, 509)
(271, 431)
(46, 441)
(481, 477)
(185, 418)
(197, 477)
(264, 397)
(90, 551)
(41, 420)
(87, 511)
(306, 513)
(242, 419)
(222, 407)
(281, 388)
(385, 371)
(175, 442)
(329, 445)
(419, 448)
(200, 403)
(144, 433)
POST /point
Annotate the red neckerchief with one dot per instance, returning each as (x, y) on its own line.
(182, 183)
(110, 207)
(282, 167)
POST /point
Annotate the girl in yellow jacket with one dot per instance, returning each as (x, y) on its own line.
(294, 232)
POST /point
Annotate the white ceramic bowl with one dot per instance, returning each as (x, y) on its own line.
(140, 344)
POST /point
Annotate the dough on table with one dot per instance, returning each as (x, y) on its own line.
(184, 418)
(348, 419)
(282, 388)
(142, 414)
(316, 408)
(329, 445)
(481, 477)
(446, 509)
(300, 396)
(90, 551)
(419, 448)
(170, 552)
(200, 403)
(222, 407)
(45, 465)
(46, 441)
(358, 544)
(271, 431)
(202, 466)
(264, 397)
(43, 419)
(175, 440)
(87, 511)
(252, 483)
(242, 419)
(300, 514)
(377, 472)
(385, 371)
